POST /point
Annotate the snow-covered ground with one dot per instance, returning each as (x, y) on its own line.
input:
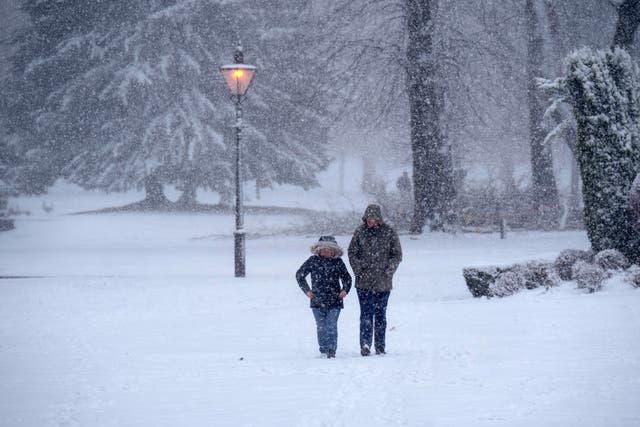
(137, 320)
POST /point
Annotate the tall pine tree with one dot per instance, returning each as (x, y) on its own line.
(138, 100)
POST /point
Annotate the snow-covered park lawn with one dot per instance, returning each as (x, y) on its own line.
(137, 320)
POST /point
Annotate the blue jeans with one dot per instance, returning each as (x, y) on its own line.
(327, 326)
(373, 317)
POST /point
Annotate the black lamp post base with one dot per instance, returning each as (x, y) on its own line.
(239, 254)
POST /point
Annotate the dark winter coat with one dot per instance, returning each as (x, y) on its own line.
(374, 253)
(326, 274)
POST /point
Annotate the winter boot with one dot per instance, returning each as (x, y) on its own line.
(365, 350)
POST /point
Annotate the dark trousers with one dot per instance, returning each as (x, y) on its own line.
(373, 317)
(327, 328)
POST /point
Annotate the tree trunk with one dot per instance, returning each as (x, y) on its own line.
(188, 198)
(628, 20)
(575, 219)
(432, 166)
(545, 192)
(155, 198)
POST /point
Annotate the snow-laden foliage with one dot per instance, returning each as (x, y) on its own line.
(603, 87)
(492, 281)
(537, 273)
(10, 162)
(632, 276)
(156, 114)
(611, 259)
(479, 279)
(588, 276)
(507, 283)
(567, 258)
(128, 90)
(634, 202)
(37, 72)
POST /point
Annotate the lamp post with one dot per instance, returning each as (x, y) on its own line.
(238, 77)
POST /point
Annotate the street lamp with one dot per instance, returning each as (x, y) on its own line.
(238, 77)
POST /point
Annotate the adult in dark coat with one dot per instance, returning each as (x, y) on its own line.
(374, 255)
(327, 270)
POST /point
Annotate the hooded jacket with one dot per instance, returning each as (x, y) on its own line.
(374, 253)
(326, 275)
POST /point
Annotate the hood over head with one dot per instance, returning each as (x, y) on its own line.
(373, 211)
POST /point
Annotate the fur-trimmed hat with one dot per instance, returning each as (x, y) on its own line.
(327, 242)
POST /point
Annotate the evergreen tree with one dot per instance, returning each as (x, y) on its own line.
(287, 109)
(139, 102)
(604, 89)
(627, 25)
(36, 74)
(156, 122)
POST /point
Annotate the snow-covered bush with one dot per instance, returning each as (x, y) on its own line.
(611, 259)
(503, 281)
(567, 258)
(537, 274)
(588, 276)
(632, 276)
(507, 283)
(480, 279)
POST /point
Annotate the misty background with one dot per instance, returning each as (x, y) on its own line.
(114, 96)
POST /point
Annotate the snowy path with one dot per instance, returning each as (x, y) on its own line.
(137, 321)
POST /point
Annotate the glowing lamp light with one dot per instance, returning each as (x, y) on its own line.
(238, 77)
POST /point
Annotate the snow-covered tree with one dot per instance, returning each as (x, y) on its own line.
(603, 88)
(431, 65)
(141, 102)
(35, 74)
(153, 94)
(288, 110)
(628, 20)
(433, 174)
(545, 192)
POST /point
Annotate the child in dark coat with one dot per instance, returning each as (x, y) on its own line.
(327, 270)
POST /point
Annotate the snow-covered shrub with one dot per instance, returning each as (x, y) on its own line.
(503, 281)
(632, 276)
(507, 283)
(479, 280)
(611, 259)
(537, 274)
(588, 276)
(567, 258)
